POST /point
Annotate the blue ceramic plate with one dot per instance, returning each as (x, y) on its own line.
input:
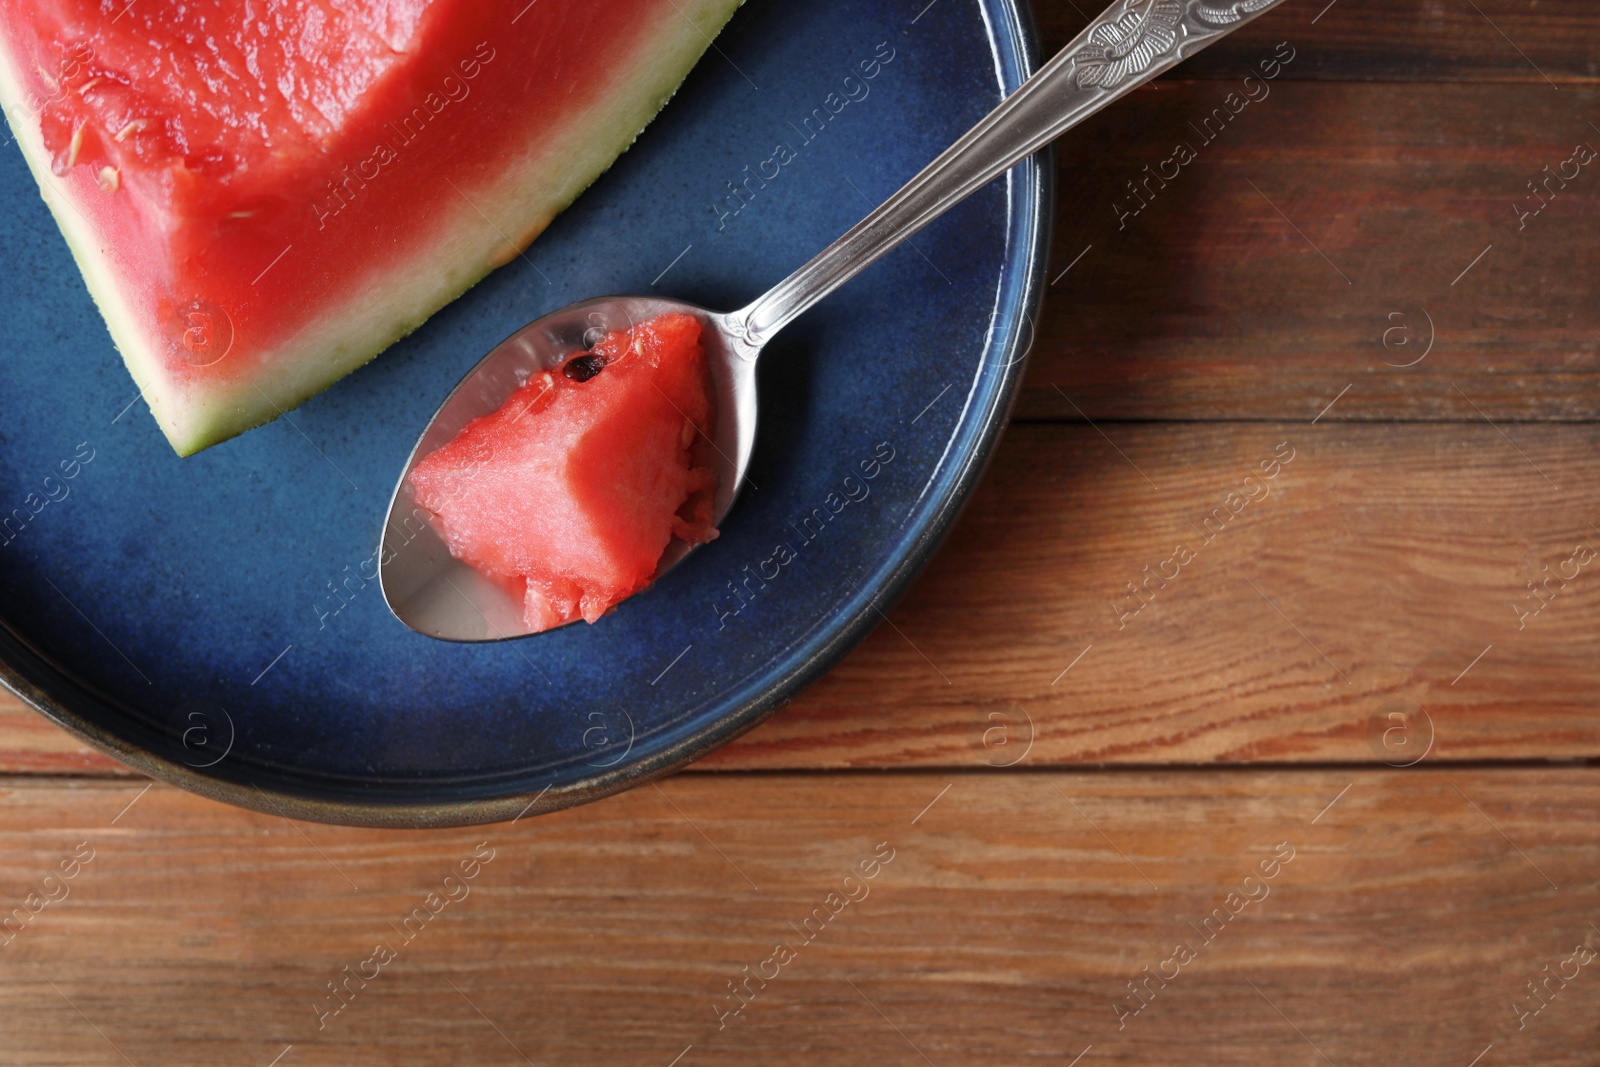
(212, 621)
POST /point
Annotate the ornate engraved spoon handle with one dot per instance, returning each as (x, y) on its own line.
(1130, 43)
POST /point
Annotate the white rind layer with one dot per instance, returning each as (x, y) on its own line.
(466, 241)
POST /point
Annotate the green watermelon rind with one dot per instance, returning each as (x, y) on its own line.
(464, 248)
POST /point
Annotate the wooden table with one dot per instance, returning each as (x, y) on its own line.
(1176, 761)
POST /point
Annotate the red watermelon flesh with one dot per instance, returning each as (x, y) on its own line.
(568, 495)
(263, 195)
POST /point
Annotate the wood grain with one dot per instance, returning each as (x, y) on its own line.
(1322, 237)
(1393, 40)
(31, 744)
(1013, 914)
(1391, 557)
(1383, 562)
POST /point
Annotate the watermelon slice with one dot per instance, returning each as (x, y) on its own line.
(569, 493)
(263, 196)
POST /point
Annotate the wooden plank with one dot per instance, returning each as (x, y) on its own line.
(1397, 552)
(31, 744)
(1383, 562)
(1406, 913)
(1393, 40)
(1323, 236)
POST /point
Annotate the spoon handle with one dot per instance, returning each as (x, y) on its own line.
(1130, 43)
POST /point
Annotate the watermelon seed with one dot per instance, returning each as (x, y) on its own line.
(582, 368)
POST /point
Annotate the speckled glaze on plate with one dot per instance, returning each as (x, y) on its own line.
(213, 621)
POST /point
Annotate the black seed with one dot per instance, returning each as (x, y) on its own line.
(582, 368)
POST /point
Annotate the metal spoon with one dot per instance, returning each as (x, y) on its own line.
(1130, 43)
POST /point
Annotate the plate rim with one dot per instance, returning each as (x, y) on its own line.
(54, 693)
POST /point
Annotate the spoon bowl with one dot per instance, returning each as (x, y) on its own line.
(436, 594)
